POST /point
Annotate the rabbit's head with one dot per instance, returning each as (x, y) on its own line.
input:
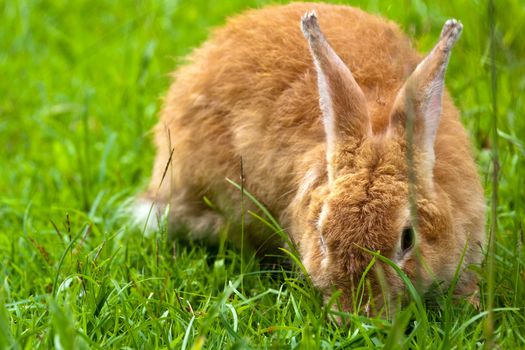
(381, 195)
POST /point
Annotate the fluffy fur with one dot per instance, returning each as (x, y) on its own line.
(320, 123)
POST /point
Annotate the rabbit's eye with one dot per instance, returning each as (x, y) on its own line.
(407, 239)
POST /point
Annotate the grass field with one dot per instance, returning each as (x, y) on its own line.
(80, 87)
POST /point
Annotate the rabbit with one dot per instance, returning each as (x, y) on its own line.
(323, 103)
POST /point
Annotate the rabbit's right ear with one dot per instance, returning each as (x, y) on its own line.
(343, 104)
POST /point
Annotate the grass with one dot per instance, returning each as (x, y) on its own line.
(81, 83)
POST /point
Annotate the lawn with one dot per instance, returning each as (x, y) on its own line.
(81, 85)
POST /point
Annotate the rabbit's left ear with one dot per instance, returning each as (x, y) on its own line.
(417, 108)
(343, 104)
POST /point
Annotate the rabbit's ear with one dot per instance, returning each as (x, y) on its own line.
(343, 104)
(417, 108)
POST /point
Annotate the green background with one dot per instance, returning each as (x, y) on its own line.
(80, 88)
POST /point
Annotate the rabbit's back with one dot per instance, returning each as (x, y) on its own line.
(262, 55)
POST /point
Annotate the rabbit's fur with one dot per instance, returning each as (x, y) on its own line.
(321, 127)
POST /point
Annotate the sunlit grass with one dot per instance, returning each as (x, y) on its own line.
(81, 83)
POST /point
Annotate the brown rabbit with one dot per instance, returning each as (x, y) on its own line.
(323, 128)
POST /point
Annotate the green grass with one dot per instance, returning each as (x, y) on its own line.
(80, 87)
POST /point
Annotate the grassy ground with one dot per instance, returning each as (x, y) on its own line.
(80, 87)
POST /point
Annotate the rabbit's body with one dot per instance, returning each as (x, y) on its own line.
(252, 92)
